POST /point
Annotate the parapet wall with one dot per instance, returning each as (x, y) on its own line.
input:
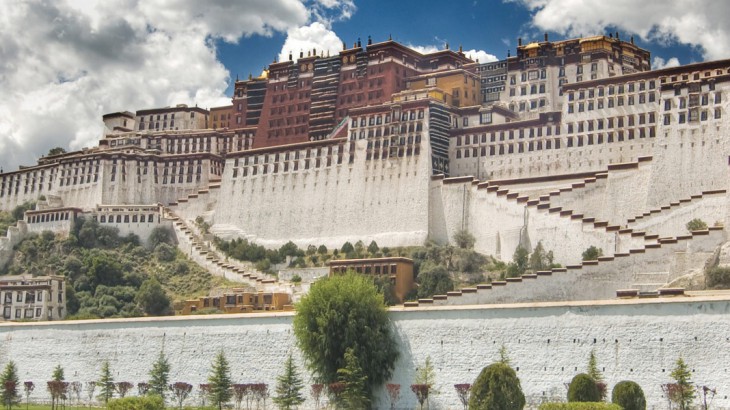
(547, 344)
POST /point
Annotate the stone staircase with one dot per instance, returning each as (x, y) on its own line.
(646, 282)
(204, 254)
(590, 280)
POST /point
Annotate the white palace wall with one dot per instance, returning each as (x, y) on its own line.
(547, 343)
(381, 200)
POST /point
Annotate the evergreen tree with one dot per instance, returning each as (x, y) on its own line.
(105, 383)
(9, 386)
(685, 391)
(220, 381)
(356, 395)
(159, 376)
(596, 374)
(497, 387)
(58, 374)
(503, 357)
(289, 386)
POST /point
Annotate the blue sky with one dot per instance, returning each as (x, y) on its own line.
(492, 26)
(65, 63)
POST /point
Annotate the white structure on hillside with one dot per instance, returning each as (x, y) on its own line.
(37, 298)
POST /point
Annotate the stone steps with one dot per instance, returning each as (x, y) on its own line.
(452, 298)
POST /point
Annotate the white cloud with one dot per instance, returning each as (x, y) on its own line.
(702, 23)
(314, 37)
(75, 61)
(480, 55)
(657, 63)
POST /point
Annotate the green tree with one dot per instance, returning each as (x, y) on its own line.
(340, 312)
(684, 393)
(503, 356)
(540, 259)
(159, 376)
(289, 386)
(220, 381)
(322, 250)
(464, 240)
(152, 299)
(592, 253)
(10, 386)
(105, 383)
(596, 374)
(583, 388)
(347, 248)
(373, 248)
(519, 263)
(288, 249)
(434, 280)
(426, 376)
(497, 387)
(696, 224)
(628, 395)
(160, 235)
(56, 151)
(356, 394)
(58, 374)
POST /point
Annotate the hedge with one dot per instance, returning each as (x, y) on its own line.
(580, 406)
(137, 403)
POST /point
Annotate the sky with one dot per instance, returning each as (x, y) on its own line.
(65, 63)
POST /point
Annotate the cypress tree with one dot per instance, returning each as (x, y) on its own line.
(220, 381)
(289, 386)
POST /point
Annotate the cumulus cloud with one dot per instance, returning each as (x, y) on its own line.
(476, 55)
(702, 23)
(313, 37)
(657, 63)
(75, 61)
(480, 56)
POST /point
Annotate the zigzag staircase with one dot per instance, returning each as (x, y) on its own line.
(608, 274)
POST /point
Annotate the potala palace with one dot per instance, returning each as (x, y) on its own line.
(572, 143)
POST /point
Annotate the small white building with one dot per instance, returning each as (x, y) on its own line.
(39, 298)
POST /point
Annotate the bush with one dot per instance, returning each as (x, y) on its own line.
(718, 278)
(165, 252)
(434, 280)
(592, 253)
(583, 388)
(579, 406)
(628, 395)
(296, 279)
(497, 387)
(696, 224)
(151, 402)
(464, 240)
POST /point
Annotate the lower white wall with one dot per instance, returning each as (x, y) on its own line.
(548, 344)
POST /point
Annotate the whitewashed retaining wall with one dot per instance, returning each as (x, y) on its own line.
(547, 343)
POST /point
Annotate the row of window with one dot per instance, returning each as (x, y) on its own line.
(287, 166)
(134, 218)
(508, 135)
(612, 89)
(286, 156)
(611, 122)
(28, 296)
(49, 217)
(694, 100)
(611, 102)
(556, 143)
(692, 115)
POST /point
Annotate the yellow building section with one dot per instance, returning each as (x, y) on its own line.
(398, 269)
(239, 301)
(461, 88)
